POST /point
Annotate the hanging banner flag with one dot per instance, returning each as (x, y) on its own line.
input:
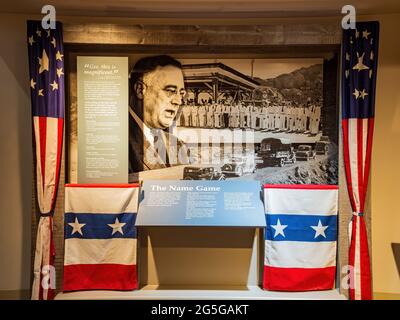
(46, 76)
(100, 237)
(301, 237)
(359, 67)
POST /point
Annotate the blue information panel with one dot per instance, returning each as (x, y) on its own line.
(201, 203)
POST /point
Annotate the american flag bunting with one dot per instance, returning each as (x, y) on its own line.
(359, 71)
(46, 71)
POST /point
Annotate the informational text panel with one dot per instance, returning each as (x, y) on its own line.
(102, 119)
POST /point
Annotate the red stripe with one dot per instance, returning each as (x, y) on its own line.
(360, 160)
(127, 185)
(346, 159)
(367, 164)
(42, 138)
(302, 186)
(366, 290)
(100, 277)
(298, 279)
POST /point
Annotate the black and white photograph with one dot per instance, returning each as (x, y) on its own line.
(216, 119)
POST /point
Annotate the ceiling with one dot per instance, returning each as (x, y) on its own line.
(201, 9)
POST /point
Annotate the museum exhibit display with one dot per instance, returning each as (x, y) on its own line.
(187, 166)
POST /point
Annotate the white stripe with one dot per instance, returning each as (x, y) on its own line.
(291, 254)
(100, 251)
(353, 162)
(46, 250)
(350, 229)
(101, 200)
(365, 136)
(301, 201)
(357, 263)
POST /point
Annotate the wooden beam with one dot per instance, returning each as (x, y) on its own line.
(205, 35)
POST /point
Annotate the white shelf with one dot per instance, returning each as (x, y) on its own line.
(230, 293)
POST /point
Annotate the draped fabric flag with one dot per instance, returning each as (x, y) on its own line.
(46, 66)
(300, 237)
(359, 67)
(100, 237)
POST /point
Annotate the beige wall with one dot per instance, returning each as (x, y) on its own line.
(16, 156)
(16, 159)
(385, 175)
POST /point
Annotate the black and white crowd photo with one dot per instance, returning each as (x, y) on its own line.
(271, 120)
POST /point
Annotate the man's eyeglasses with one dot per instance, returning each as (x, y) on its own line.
(172, 92)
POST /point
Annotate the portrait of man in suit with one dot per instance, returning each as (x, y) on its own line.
(156, 92)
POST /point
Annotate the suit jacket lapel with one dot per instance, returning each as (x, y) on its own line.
(151, 157)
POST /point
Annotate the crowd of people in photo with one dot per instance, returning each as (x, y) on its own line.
(267, 116)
